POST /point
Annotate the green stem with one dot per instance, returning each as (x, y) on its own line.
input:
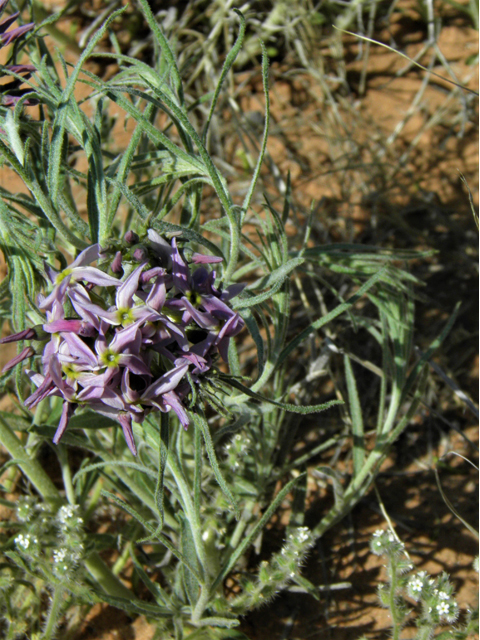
(201, 605)
(96, 492)
(29, 466)
(66, 473)
(54, 612)
(396, 623)
(194, 521)
(241, 525)
(105, 578)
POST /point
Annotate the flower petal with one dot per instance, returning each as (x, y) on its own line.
(94, 276)
(126, 422)
(166, 383)
(124, 298)
(67, 412)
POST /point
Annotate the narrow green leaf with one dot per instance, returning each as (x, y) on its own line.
(162, 464)
(227, 65)
(154, 588)
(254, 330)
(192, 586)
(132, 606)
(334, 476)
(114, 463)
(277, 275)
(248, 198)
(246, 302)
(430, 351)
(165, 47)
(189, 234)
(356, 418)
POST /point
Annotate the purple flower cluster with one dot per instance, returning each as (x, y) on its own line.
(11, 90)
(132, 357)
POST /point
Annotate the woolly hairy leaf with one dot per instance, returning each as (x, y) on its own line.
(15, 422)
(62, 112)
(202, 424)
(165, 47)
(292, 408)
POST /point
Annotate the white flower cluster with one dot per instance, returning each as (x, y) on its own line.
(65, 559)
(26, 541)
(236, 450)
(67, 517)
(436, 595)
(384, 541)
(25, 509)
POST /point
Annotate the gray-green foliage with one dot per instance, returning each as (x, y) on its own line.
(198, 501)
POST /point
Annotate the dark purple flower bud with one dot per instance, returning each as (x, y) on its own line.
(26, 334)
(140, 254)
(131, 237)
(22, 68)
(12, 35)
(116, 265)
(28, 352)
(7, 22)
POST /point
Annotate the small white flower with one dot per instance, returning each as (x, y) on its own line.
(416, 585)
(23, 541)
(443, 596)
(59, 555)
(443, 608)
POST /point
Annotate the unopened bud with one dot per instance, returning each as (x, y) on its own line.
(26, 334)
(131, 237)
(116, 265)
(139, 254)
(28, 352)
